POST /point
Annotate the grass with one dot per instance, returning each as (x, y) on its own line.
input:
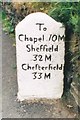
(0, 15)
(7, 25)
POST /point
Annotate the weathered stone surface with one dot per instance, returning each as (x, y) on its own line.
(40, 57)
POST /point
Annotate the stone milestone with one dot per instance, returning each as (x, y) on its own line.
(40, 51)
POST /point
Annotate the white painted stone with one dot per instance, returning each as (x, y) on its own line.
(50, 84)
